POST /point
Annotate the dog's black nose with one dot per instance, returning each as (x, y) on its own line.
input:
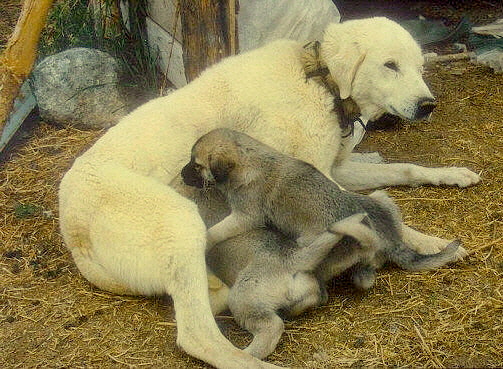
(425, 107)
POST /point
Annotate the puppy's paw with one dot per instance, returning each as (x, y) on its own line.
(364, 281)
(461, 253)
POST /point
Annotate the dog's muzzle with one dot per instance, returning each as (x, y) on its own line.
(424, 108)
(191, 177)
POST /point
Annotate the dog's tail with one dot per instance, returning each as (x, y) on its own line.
(409, 259)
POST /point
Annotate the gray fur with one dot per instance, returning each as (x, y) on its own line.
(270, 272)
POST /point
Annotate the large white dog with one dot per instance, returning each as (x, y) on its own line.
(130, 231)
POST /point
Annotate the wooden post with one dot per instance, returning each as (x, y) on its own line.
(209, 32)
(19, 55)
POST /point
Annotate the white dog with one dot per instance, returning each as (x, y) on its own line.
(129, 231)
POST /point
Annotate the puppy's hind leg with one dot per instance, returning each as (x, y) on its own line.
(198, 333)
(364, 276)
(305, 291)
(267, 331)
(352, 226)
(253, 301)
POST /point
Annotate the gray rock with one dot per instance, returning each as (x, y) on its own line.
(79, 87)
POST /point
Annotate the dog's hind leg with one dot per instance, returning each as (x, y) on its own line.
(98, 275)
(219, 293)
(138, 235)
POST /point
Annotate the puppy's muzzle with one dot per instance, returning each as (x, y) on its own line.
(191, 177)
(425, 107)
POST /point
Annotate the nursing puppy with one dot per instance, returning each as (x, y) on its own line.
(271, 275)
(263, 186)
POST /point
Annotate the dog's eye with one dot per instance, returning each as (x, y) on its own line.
(391, 65)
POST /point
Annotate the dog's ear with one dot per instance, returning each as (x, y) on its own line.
(343, 56)
(220, 167)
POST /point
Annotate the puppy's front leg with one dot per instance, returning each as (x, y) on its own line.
(230, 226)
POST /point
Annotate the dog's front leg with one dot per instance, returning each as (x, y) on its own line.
(425, 244)
(355, 176)
(230, 226)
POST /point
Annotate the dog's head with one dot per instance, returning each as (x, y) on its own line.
(378, 64)
(214, 156)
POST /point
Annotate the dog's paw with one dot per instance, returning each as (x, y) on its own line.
(436, 247)
(456, 176)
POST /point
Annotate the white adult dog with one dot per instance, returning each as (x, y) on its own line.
(130, 232)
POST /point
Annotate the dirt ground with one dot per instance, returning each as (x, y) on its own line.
(452, 317)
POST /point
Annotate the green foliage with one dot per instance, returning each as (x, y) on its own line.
(25, 210)
(71, 23)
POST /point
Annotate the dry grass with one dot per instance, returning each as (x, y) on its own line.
(9, 11)
(51, 317)
(453, 317)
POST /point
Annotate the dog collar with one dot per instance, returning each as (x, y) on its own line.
(316, 69)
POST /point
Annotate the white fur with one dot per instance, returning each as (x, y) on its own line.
(129, 232)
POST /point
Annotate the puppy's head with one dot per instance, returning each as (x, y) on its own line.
(214, 157)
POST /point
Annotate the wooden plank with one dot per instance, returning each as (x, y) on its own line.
(170, 53)
(22, 107)
(164, 13)
(20, 52)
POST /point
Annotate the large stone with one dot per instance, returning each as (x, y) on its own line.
(79, 87)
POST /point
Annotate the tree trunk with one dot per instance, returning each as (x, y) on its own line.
(209, 32)
(19, 55)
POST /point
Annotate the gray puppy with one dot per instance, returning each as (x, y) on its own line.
(263, 186)
(271, 276)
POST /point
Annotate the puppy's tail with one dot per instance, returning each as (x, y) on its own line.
(409, 259)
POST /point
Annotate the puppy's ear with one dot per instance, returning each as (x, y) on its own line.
(220, 167)
(343, 55)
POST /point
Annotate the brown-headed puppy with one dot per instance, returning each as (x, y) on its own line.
(264, 187)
